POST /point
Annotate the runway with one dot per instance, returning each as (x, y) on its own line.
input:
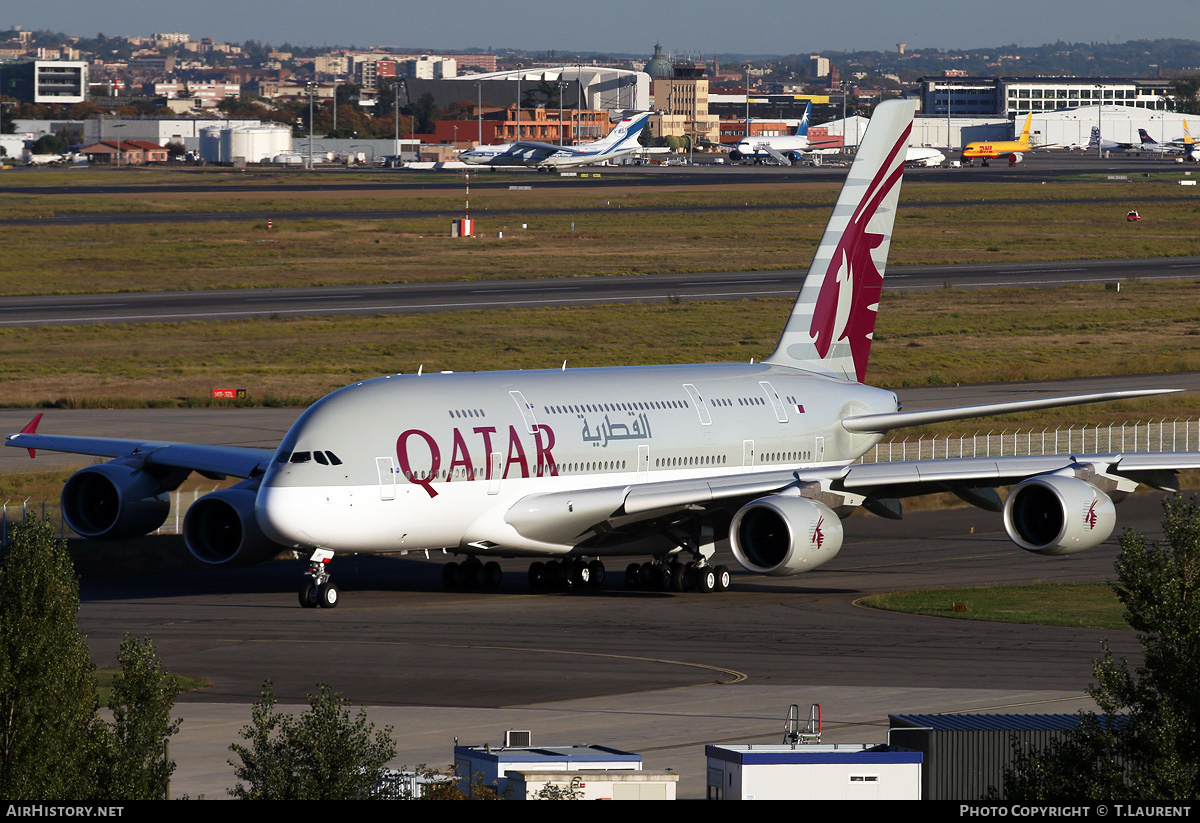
(414, 298)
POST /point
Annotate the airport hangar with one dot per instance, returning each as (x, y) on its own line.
(1062, 127)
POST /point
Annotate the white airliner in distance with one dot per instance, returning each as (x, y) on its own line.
(619, 142)
(782, 149)
(569, 467)
(923, 156)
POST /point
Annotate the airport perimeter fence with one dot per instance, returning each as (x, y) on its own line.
(1118, 438)
(1148, 436)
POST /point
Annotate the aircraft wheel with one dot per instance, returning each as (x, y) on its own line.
(666, 576)
(596, 578)
(578, 574)
(308, 595)
(556, 575)
(647, 576)
(472, 573)
(329, 595)
(723, 578)
(706, 580)
(537, 575)
(632, 573)
(678, 577)
(451, 576)
(492, 575)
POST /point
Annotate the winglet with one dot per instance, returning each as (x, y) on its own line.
(31, 428)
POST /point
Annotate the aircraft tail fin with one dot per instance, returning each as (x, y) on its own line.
(802, 126)
(1025, 131)
(1187, 134)
(833, 319)
(627, 132)
(1147, 140)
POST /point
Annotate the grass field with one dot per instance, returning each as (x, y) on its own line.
(1088, 605)
(619, 230)
(939, 337)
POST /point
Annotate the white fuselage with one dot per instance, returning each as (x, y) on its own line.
(443, 460)
(512, 154)
(753, 146)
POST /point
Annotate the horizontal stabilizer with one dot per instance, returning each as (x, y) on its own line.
(883, 423)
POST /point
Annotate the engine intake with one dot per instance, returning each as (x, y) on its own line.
(114, 501)
(783, 535)
(1057, 515)
(220, 529)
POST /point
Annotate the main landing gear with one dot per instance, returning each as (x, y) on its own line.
(674, 576)
(572, 573)
(472, 573)
(318, 589)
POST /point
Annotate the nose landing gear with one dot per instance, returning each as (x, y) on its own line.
(318, 589)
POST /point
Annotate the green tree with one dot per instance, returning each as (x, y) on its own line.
(321, 754)
(49, 144)
(49, 732)
(53, 745)
(1145, 743)
(1185, 89)
(136, 766)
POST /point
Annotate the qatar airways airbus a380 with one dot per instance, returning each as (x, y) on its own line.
(658, 463)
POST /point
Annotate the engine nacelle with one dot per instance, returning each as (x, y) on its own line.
(783, 535)
(220, 529)
(1015, 157)
(114, 501)
(1058, 515)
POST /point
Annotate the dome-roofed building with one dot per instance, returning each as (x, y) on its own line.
(659, 67)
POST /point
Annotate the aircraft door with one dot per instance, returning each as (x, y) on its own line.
(747, 455)
(526, 411)
(495, 472)
(387, 478)
(643, 464)
(776, 403)
(819, 450)
(698, 402)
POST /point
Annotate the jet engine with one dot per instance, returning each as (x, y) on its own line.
(220, 529)
(1015, 157)
(114, 501)
(1058, 515)
(784, 535)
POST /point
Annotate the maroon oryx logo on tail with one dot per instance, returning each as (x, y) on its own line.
(852, 272)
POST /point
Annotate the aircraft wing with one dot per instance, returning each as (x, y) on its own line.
(882, 423)
(233, 461)
(575, 516)
(552, 147)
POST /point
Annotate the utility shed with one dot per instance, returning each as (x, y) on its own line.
(965, 754)
(490, 765)
(822, 771)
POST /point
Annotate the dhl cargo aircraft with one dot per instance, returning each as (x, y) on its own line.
(1012, 149)
(572, 467)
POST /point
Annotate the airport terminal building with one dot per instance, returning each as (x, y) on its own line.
(1017, 96)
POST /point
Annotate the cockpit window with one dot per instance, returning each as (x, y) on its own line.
(333, 459)
(301, 457)
(283, 456)
(321, 458)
